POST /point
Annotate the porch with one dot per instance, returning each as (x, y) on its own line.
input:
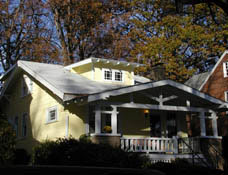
(162, 130)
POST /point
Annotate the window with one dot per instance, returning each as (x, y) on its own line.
(113, 75)
(107, 74)
(24, 125)
(16, 121)
(106, 122)
(27, 85)
(226, 96)
(118, 76)
(52, 114)
(225, 69)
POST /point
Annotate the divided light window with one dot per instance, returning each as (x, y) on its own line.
(107, 74)
(225, 69)
(52, 114)
(113, 75)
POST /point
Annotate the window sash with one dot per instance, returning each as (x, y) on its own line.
(52, 114)
(113, 75)
(225, 69)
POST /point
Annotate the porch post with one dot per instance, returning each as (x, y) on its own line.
(114, 120)
(202, 124)
(214, 124)
(97, 119)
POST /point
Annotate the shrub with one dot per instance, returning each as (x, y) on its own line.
(21, 157)
(73, 152)
(7, 142)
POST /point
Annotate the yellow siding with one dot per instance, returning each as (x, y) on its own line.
(84, 70)
(133, 123)
(95, 72)
(36, 106)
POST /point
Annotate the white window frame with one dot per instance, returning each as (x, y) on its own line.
(226, 96)
(28, 83)
(113, 78)
(225, 69)
(48, 120)
(24, 118)
(103, 73)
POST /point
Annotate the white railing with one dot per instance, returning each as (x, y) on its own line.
(152, 144)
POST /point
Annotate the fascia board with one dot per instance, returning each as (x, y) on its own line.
(41, 80)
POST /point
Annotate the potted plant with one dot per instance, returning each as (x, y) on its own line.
(107, 129)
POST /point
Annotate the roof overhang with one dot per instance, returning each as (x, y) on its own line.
(104, 61)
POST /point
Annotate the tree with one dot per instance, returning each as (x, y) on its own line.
(23, 32)
(223, 4)
(185, 44)
(90, 28)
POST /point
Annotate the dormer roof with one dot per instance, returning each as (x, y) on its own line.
(105, 61)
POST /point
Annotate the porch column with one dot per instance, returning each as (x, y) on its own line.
(97, 119)
(202, 124)
(214, 124)
(114, 120)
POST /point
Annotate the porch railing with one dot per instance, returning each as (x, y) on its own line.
(160, 145)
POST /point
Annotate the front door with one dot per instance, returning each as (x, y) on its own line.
(155, 125)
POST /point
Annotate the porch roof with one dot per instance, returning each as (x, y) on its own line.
(175, 94)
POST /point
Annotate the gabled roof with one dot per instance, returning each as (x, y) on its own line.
(167, 87)
(214, 68)
(196, 81)
(60, 81)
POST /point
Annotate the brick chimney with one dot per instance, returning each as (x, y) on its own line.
(158, 72)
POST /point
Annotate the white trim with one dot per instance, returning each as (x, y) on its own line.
(67, 126)
(216, 65)
(48, 112)
(144, 86)
(104, 134)
(105, 61)
(225, 67)
(226, 96)
(113, 75)
(156, 107)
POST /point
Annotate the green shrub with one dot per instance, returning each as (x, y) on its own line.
(7, 142)
(73, 152)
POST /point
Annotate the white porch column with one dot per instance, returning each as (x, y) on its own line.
(214, 124)
(97, 119)
(202, 124)
(114, 120)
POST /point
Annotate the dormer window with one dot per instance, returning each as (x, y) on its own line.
(225, 69)
(107, 74)
(113, 75)
(118, 76)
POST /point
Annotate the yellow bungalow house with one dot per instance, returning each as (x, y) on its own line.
(104, 99)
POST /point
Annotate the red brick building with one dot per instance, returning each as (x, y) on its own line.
(215, 83)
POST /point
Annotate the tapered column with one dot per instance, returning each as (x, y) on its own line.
(214, 124)
(114, 120)
(202, 124)
(97, 119)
